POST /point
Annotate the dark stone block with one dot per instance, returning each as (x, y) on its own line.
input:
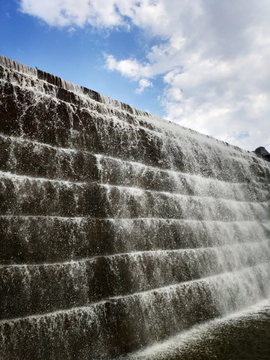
(262, 153)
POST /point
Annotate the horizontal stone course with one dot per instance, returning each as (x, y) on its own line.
(81, 283)
(24, 157)
(35, 160)
(36, 240)
(56, 198)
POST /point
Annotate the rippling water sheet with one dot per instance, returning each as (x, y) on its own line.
(240, 336)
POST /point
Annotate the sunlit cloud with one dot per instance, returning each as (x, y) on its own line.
(130, 68)
(143, 83)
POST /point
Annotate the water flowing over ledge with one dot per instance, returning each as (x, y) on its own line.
(203, 341)
(63, 84)
(118, 229)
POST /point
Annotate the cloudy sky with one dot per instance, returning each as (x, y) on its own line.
(204, 64)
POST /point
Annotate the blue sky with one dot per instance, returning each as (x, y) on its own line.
(202, 63)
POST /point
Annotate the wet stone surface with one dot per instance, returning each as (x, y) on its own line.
(242, 338)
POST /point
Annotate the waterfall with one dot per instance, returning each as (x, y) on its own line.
(118, 229)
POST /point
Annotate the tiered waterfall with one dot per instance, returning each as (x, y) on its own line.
(118, 229)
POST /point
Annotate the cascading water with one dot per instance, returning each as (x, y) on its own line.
(118, 229)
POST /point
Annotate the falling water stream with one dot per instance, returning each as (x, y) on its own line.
(123, 235)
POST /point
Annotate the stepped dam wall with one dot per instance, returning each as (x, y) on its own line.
(118, 229)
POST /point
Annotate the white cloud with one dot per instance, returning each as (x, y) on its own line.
(214, 57)
(71, 30)
(143, 83)
(130, 68)
(100, 13)
(74, 12)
